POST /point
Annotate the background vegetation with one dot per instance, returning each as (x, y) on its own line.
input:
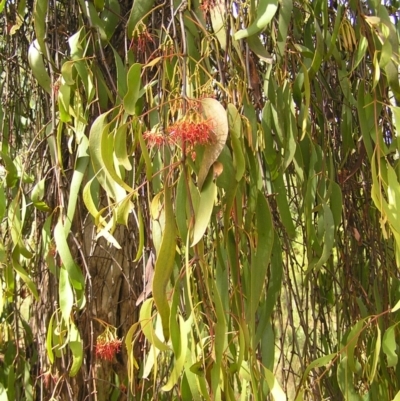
(199, 200)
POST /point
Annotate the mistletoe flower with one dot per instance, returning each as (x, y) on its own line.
(108, 344)
(191, 132)
(154, 138)
(207, 5)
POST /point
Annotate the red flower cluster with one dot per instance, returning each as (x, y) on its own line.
(154, 138)
(207, 5)
(107, 346)
(141, 41)
(190, 133)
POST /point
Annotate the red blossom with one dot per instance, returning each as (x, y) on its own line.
(154, 138)
(190, 132)
(107, 349)
(141, 42)
(108, 344)
(207, 5)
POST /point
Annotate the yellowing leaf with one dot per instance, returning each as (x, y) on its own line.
(214, 111)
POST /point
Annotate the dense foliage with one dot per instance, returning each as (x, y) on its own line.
(199, 200)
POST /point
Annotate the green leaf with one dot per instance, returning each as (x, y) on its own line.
(2, 203)
(121, 147)
(220, 339)
(129, 343)
(140, 9)
(259, 49)
(66, 295)
(345, 382)
(336, 203)
(76, 346)
(74, 272)
(39, 22)
(318, 363)
(396, 307)
(111, 17)
(336, 28)
(134, 82)
(318, 54)
(329, 238)
(266, 10)
(82, 162)
(181, 355)
(360, 52)
(24, 274)
(274, 386)
(181, 206)
(12, 175)
(141, 234)
(39, 71)
(2, 4)
(49, 340)
(235, 128)
(283, 205)
(377, 351)
(165, 263)
(285, 14)
(146, 323)
(262, 254)
(389, 346)
(352, 340)
(204, 210)
(98, 134)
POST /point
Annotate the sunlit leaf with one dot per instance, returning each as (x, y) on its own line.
(38, 68)
(165, 263)
(66, 295)
(214, 112)
(265, 12)
(204, 210)
(134, 83)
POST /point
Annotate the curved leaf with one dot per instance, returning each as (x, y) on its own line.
(204, 210)
(39, 71)
(165, 263)
(134, 82)
(266, 11)
(139, 10)
(214, 111)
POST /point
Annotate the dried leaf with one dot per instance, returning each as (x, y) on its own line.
(214, 111)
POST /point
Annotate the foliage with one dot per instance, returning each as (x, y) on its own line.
(213, 183)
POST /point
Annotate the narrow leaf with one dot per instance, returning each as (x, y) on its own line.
(165, 263)
(204, 210)
(265, 12)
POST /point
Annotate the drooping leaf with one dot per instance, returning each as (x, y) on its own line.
(265, 12)
(204, 210)
(389, 346)
(132, 95)
(76, 346)
(74, 273)
(66, 295)
(165, 263)
(39, 71)
(140, 9)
